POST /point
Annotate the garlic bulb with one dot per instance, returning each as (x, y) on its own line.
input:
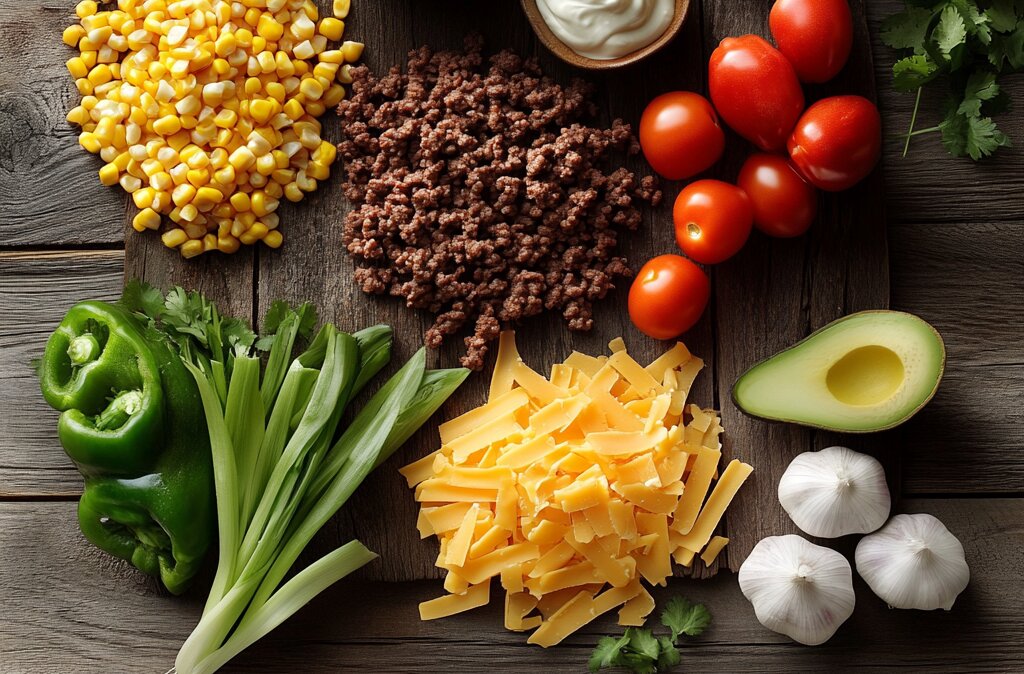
(798, 588)
(914, 562)
(835, 492)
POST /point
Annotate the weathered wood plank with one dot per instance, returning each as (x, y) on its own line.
(91, 619)
(929, 186)
(968, 281)
(35, 291)
(802, 284)
(49, 192)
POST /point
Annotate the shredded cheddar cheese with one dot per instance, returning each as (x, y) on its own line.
(574, 488)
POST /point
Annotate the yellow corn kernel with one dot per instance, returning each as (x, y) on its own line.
(261, 110)
(72, 34)
(273, 239)
(85, 8)
(311, 89)
(191, 248)
(253, 86)
(262, 204)
(225, 176)
(341, 8)
(109, 175)
(84, 86)
(188, 213)
(332, 56)
(273, 190)
(209, 243)
(228, 244)
(100, 74)
(326, 153)
(258, 230)
(275, 90)
(318, 170)
(352, 50)
(240, 202)
(316, 108)
(77, 67)
(293, 108)
(78, 115)
(206, 198)
(198, 177)
(183, 194)
(144, 198)
(331, 28)
(173, 238)
(89, 142)
(168, 125)
(226, 119)
(147, 218)
(242, 158)
(269, 29)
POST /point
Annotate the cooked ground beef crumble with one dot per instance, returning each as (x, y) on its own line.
(480, 196)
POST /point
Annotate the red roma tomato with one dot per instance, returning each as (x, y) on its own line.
(837, 142)
(784, 203)
(713, 220)
(815, 35)
(755, 90)
(680, 134)
(668, 296)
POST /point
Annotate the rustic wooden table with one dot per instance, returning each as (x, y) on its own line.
(956, 258)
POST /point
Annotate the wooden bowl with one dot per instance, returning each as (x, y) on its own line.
(564, 52)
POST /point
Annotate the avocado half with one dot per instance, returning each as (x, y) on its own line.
(865, 372)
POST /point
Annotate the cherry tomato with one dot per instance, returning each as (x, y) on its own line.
(784, 203)
(713, 220)
(755, 90)
(837, 142)
(815, 35)
(668, 296)
(680, 134)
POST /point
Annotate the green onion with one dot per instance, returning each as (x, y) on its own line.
(280, 473)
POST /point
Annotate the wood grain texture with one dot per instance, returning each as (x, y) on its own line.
(968, 281)
(89, 620)
(36, 290)
(49, 191)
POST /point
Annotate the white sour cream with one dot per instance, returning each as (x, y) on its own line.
(607, 29)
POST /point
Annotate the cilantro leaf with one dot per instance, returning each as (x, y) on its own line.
(607, 652)
(950, 32)
(913, 72)
(669, 656)
(908, 29)
(642, 642)
(1002, 15)
(143, 299)
(639, 664)
(971, 135)
(1014, 46)
(683, 617)
(976, 22)
(981, 86)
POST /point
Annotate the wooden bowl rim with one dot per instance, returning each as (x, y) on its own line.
(566, 53)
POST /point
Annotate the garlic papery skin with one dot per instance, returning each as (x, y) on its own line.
(798, 588)
(914, 562)
(835, 492)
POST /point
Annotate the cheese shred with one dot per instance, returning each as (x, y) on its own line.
(574, 489)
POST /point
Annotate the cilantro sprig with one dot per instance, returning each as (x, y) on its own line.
(642, 652)
(970, 44)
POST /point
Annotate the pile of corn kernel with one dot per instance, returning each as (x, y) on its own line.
(206, 110)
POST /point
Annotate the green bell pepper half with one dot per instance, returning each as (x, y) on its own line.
(132, 421)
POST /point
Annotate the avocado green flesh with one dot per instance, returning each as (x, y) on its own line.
(866, 372)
